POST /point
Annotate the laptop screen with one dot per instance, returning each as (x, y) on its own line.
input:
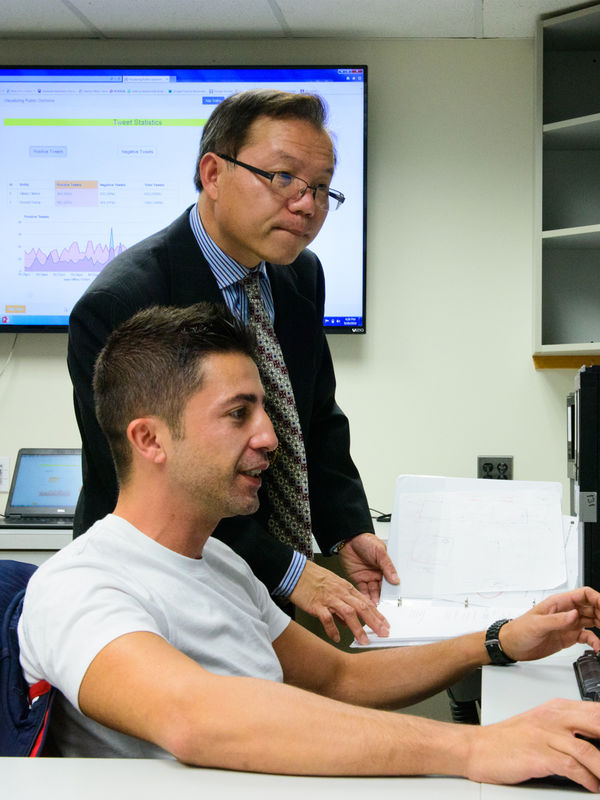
(45, 483)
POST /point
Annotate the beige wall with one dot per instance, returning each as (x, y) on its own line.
(445, 371)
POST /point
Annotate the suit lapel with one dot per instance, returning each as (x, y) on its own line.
(191, 277)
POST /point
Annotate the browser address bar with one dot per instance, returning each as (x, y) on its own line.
(146, 79)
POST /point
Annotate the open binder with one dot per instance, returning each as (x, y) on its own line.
(471, 551)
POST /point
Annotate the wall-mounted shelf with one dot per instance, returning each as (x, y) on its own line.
(567, 238)
(564, 362)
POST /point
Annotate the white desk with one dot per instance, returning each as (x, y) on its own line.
(539, 791)
(34, 545)
(506, 691)
(114, 779)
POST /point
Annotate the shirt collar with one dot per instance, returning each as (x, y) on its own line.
(227, 270)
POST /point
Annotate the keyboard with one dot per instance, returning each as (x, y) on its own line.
(587, 672)
(36, 522)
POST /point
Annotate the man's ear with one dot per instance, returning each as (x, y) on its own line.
(146, 436)
(210, 168)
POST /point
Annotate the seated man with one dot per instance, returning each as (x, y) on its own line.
(163, 643)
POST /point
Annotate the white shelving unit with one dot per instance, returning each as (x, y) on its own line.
(567, 247)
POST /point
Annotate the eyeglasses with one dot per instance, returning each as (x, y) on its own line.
(293, 188)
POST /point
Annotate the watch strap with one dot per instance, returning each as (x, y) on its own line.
(492, 644)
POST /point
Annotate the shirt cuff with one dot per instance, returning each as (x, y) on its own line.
(338, 546)
(291, 577)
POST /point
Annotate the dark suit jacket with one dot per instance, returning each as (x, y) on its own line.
(168, 268)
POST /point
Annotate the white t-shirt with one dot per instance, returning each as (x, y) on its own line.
(115, 580)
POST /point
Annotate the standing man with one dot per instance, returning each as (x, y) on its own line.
(264, 171)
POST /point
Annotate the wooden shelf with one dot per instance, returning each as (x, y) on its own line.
(564, 362)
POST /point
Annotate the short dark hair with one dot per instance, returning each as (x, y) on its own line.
(152, 365)
(227, 128)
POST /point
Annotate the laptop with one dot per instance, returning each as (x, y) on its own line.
(44, 489)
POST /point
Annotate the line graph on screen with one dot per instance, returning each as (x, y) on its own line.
(93, 257)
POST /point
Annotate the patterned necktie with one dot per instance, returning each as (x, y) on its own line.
(286, 481)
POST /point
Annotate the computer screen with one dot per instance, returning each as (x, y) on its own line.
(45, 481)
(94, 159)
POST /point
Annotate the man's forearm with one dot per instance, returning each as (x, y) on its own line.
(401, 676)
(385, 678)
(280, 729)
(257, 725)
(275, 728)
(405, 675)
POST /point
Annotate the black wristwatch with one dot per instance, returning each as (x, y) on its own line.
(492, 644)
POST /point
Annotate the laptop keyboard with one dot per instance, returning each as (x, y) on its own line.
(587, 672)
(61, 522)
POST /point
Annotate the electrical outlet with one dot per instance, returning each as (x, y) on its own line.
(496, 467)
(4, 476)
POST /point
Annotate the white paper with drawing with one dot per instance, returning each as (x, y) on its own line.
(455, 536)
(470, 551)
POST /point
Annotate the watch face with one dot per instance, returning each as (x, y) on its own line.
(493, 650)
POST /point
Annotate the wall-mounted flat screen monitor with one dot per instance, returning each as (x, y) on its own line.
(95, 159)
